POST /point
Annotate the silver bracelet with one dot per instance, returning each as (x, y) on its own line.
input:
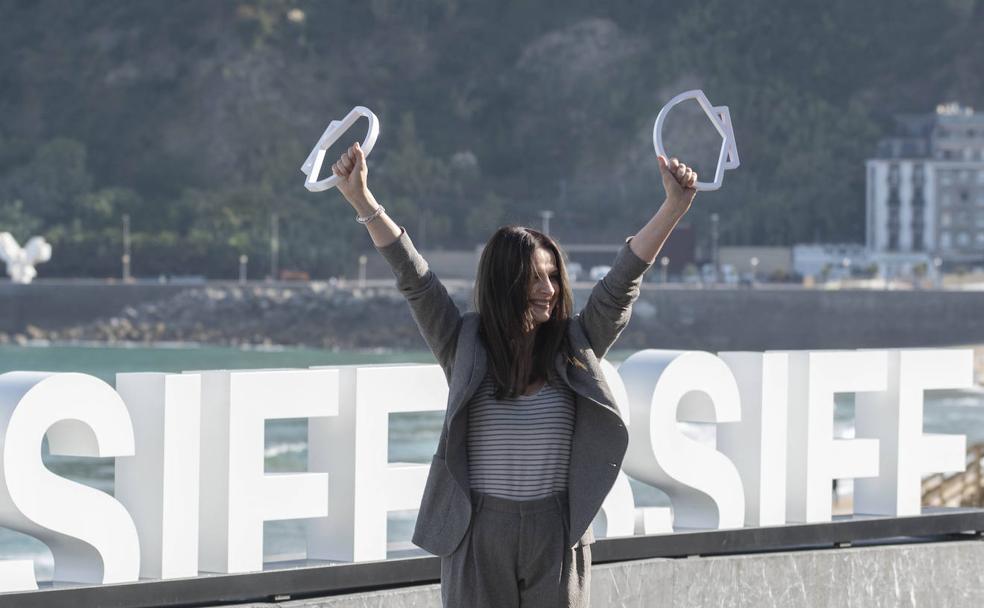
(365, 220)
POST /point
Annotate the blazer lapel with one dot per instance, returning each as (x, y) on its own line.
(476, 371)
(587, 381)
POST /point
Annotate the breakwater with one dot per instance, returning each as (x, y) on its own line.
(342, 317)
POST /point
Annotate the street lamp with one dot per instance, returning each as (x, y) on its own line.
(363, 260)
(545, 221)
(714, 247)
(243, 260)
(755, 264)
(274, 245)
(126, 248)
(664, 263)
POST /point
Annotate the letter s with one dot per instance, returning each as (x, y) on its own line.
(702, 483)
(91, 535)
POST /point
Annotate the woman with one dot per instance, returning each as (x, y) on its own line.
(532, 440)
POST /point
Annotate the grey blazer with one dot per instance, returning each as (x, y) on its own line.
(600, 437)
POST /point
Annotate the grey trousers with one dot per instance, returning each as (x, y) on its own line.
(515, 555)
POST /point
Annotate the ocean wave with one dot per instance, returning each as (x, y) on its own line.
(281, 449)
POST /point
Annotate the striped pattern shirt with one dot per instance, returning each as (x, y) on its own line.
(519, 448)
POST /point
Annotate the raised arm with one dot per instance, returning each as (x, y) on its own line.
(678, 181)
(353, 183)
(435, 312)
(609, 306)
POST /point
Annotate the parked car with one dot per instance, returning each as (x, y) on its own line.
(294, 275)
(598, 272)
(727, 274)
(574, 271)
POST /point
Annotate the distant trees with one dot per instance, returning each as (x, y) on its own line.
(192, 118)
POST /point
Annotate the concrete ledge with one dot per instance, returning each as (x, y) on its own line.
(940, 575)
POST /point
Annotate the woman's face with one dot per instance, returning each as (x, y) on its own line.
(545, 286)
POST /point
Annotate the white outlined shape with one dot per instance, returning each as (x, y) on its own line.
(312, 166)
(721, 119)
(21, 261)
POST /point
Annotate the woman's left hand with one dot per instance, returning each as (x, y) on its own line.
(678, 181)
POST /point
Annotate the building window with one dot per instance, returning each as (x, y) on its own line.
(918, 207)
(946, 198)
(945, 241)
(963, 239)
(945, 220)
(965, 176)
(964, 196)
(980, 177)
(946, 177)
(894, 206)
(980, 238)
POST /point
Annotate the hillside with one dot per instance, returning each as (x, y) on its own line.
(193, 118)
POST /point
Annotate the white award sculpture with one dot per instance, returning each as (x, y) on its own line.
(721, 119)
(312, 166)
(21, 262)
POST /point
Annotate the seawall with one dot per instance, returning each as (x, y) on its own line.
(345, 317)
(941, 575)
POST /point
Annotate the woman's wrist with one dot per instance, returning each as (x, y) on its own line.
(364, 203)
(676, 209)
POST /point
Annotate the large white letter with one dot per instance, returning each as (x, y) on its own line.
(354, 449)
(703, 485)
(895, 417)
(618, 515)
(757, 444)
(237, 497)
(815, 457)
(91, 536)
(17, 575)
(159, 485)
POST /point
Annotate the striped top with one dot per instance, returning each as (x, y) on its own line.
(520, 448)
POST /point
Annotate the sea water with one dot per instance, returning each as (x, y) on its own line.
(413, 437)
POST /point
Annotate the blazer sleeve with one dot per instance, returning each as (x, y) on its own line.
(607, 311)
(432, 308)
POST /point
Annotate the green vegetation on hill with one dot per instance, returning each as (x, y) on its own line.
(193, 117)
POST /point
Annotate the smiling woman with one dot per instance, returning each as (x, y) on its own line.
(541, 440)
(524, 301)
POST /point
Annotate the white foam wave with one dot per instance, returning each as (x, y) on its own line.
(285, 448)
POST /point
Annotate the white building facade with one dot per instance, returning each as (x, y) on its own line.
(925, 192)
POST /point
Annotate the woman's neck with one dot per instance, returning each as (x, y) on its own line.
(534, 387)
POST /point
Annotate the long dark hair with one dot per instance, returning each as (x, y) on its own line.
(518, 356)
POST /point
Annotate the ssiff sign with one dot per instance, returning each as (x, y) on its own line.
(180, 509)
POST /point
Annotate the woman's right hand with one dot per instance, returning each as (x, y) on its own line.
(352, 176)
(352, 173)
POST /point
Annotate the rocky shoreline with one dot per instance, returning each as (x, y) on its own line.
(315, 315)
(345, 317)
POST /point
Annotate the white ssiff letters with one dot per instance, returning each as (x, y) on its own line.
(179, 509)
